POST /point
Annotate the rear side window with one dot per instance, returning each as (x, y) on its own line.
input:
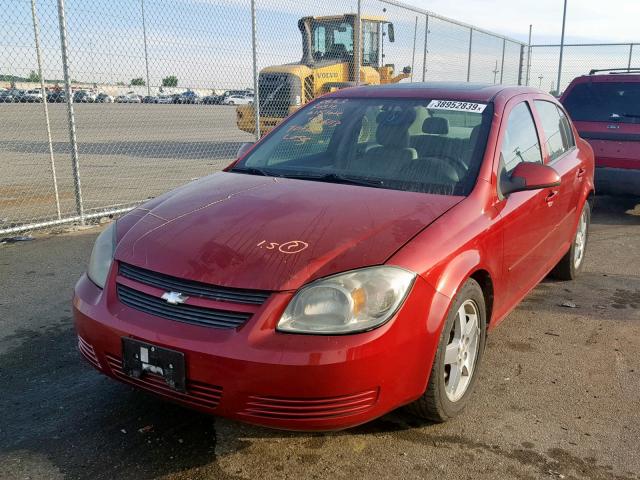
(555, 130)
(567, 132)
(604, 102)
(520, 143)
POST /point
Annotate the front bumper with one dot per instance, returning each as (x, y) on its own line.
(255, 374)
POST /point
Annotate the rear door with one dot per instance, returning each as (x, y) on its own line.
(561, 154)
(606, 113)
(529, 218)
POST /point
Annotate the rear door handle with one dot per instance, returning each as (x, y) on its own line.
(550, 198)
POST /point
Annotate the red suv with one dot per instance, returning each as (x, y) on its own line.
(349, 263)
(605, 108)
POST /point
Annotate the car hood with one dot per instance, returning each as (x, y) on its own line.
(266, 233)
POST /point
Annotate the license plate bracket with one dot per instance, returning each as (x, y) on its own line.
(140, 358)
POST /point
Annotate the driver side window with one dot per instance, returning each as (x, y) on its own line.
(520, 143)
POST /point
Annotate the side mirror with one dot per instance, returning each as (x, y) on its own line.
(391, 33)
(529, 176)
(244, 148)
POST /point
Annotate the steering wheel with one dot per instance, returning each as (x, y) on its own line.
(460, 167)
(434, 165)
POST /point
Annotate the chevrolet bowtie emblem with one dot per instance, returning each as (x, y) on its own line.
(174, 298)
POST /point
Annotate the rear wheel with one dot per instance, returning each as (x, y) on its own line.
(571, 264)
(455, 366)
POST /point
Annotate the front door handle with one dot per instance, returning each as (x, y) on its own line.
(551, 197)
(581, 172)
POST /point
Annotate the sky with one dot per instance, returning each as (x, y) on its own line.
(587, 20)
(207, 43)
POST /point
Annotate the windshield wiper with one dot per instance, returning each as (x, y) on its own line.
(339, 178)
(252, 171)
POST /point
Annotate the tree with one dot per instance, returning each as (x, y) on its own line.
(137, 82)
(170, 81)
(33, 77)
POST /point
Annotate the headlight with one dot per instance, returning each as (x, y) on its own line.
(348, 302)
(102, 256)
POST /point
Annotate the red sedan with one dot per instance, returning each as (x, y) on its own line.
(349, 263)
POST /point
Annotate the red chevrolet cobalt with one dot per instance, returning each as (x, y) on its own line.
(349, 263)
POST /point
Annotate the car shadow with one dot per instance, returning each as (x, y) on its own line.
(68, 418)
(616, 210)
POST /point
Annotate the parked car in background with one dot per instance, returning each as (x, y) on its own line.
(164, 99)
(32, 96)
(104, 98)
(605, 108)
(8, 96)
(84, 96)
(150, 99)
(406, 222)
(57, 97)
(245, 99)
(128, 98)
(213, 99)
(189, 97)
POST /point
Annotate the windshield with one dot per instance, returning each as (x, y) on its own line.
(604, 102)
(332, 40)
(402, 144)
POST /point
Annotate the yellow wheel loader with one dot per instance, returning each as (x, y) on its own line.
(332, 53)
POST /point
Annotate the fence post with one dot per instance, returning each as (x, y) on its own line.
(75, 164)
(504, 47)
(426, 44)
(413, 55)
(36, 37)
(521, 65)
(256, 90)
(630, 56)
(146, 53)
(357, 52)
(469, 60)
(529, 56)
(564, 21)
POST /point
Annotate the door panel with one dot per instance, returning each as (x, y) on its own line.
(529, 218)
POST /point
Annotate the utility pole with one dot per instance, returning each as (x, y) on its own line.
(495, 73)
(540, 77)
(564, 21)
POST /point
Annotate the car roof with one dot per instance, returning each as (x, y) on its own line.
(607, 77)
(478, 92)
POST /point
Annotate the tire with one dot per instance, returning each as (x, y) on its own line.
(442, 400)
(231, 103)
(570, 266)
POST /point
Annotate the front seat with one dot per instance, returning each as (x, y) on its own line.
(393, 151)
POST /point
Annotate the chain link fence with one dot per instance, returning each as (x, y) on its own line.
(578, 59)
(106, 103)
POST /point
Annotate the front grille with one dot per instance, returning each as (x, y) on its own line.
(275, 94)
(206, 317)
(198, 393)
(191, 287)
(309, 408)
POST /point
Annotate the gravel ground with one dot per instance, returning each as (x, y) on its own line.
(559, 394)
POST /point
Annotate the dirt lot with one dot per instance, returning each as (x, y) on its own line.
(559, 395)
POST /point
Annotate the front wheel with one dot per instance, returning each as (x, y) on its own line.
(571, 264)
(455, 366)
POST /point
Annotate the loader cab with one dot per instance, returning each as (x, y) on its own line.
(328, 40)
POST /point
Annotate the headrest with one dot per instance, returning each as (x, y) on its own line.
(393, 127)
(435, 126)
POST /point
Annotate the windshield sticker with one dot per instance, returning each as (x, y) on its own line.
(456, 106)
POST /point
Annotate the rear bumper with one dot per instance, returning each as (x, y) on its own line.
(617, 181)
(257, 375)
